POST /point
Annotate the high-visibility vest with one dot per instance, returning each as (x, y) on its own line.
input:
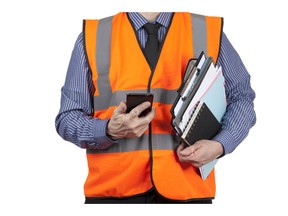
(118, 66)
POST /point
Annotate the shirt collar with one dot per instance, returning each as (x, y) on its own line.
(139, 21)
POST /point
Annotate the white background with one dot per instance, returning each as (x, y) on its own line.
(43, 175)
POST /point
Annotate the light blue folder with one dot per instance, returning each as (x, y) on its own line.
(207, 168)
(215, 99)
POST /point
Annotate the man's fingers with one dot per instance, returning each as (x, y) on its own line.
(191, 154)
(134, 121)
(135, 112)
(188, 150)
(124, 124)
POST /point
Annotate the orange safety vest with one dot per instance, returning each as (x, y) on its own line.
(118, 66)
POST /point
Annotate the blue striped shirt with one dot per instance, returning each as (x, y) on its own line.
(75, 122)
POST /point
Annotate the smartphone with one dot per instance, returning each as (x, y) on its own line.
(134, 99)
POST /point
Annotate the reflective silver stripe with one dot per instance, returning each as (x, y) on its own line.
(159, 142)
(164, 96)
(103, 49)
(199, 34)
(104, 101)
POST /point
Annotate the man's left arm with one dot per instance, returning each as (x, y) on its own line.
(239, 117)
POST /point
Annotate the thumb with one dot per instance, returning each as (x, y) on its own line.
(120, 109)
(188, 150)
(180, 148)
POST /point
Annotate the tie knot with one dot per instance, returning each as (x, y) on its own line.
(151, 29)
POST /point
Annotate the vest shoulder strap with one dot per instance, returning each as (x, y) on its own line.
(89, 40)
(207, 33)
(97, 43)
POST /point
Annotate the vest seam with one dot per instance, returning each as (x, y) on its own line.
(85, 47)
(149, 89)
(220, 38)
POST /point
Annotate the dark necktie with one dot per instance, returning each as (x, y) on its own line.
(152, 45)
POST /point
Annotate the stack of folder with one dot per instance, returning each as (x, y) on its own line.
(200, 105)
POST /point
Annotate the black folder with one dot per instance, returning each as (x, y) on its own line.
(202, 125)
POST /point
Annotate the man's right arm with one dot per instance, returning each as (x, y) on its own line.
(75, 122)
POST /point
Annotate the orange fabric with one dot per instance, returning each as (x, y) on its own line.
(162, 112)
(179, 181)
(214, 29)
(116, 176)
(126, 174)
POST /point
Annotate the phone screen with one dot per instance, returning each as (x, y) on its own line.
(134, 99)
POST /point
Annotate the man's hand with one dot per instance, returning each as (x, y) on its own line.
(125, 125)
(200, 153)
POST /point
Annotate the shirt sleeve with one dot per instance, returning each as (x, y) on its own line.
(75, 122)
(240, 115)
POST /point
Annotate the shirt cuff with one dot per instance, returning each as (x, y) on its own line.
(99, 133)
(227, 141)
